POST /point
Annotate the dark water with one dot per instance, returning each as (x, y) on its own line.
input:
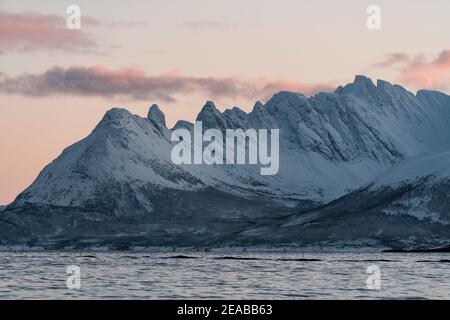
(43, 275)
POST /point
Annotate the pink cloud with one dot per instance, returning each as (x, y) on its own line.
(135, 84)
(34, 31)
(391, 60)
(433, 74)
(31, 31)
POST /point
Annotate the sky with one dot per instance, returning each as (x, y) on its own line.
(56, 83)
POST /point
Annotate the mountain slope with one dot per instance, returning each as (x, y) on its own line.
(407, 206)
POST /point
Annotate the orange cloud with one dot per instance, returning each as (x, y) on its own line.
(135, 84)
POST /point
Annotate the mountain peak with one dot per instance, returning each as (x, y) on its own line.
(118, 113)
(209, 106)
(155, 114)
(362, 85)
(383, 83)
(362, 79)
(290, 95)
(286, 97)
(208, 110)
(115, 115)
(211, 116)
(257, 108)
(258, 104)
(183, 124)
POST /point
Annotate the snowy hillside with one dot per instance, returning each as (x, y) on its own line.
(407, 206)
(433, 166)
(426, 184)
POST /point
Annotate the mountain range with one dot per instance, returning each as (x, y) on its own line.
(366, 166)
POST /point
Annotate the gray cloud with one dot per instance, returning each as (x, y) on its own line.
(135, 84)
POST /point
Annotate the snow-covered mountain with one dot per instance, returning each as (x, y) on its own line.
(407, 206)
(419, 187)
(120, 186)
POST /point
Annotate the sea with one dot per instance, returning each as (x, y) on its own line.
(222, 275)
